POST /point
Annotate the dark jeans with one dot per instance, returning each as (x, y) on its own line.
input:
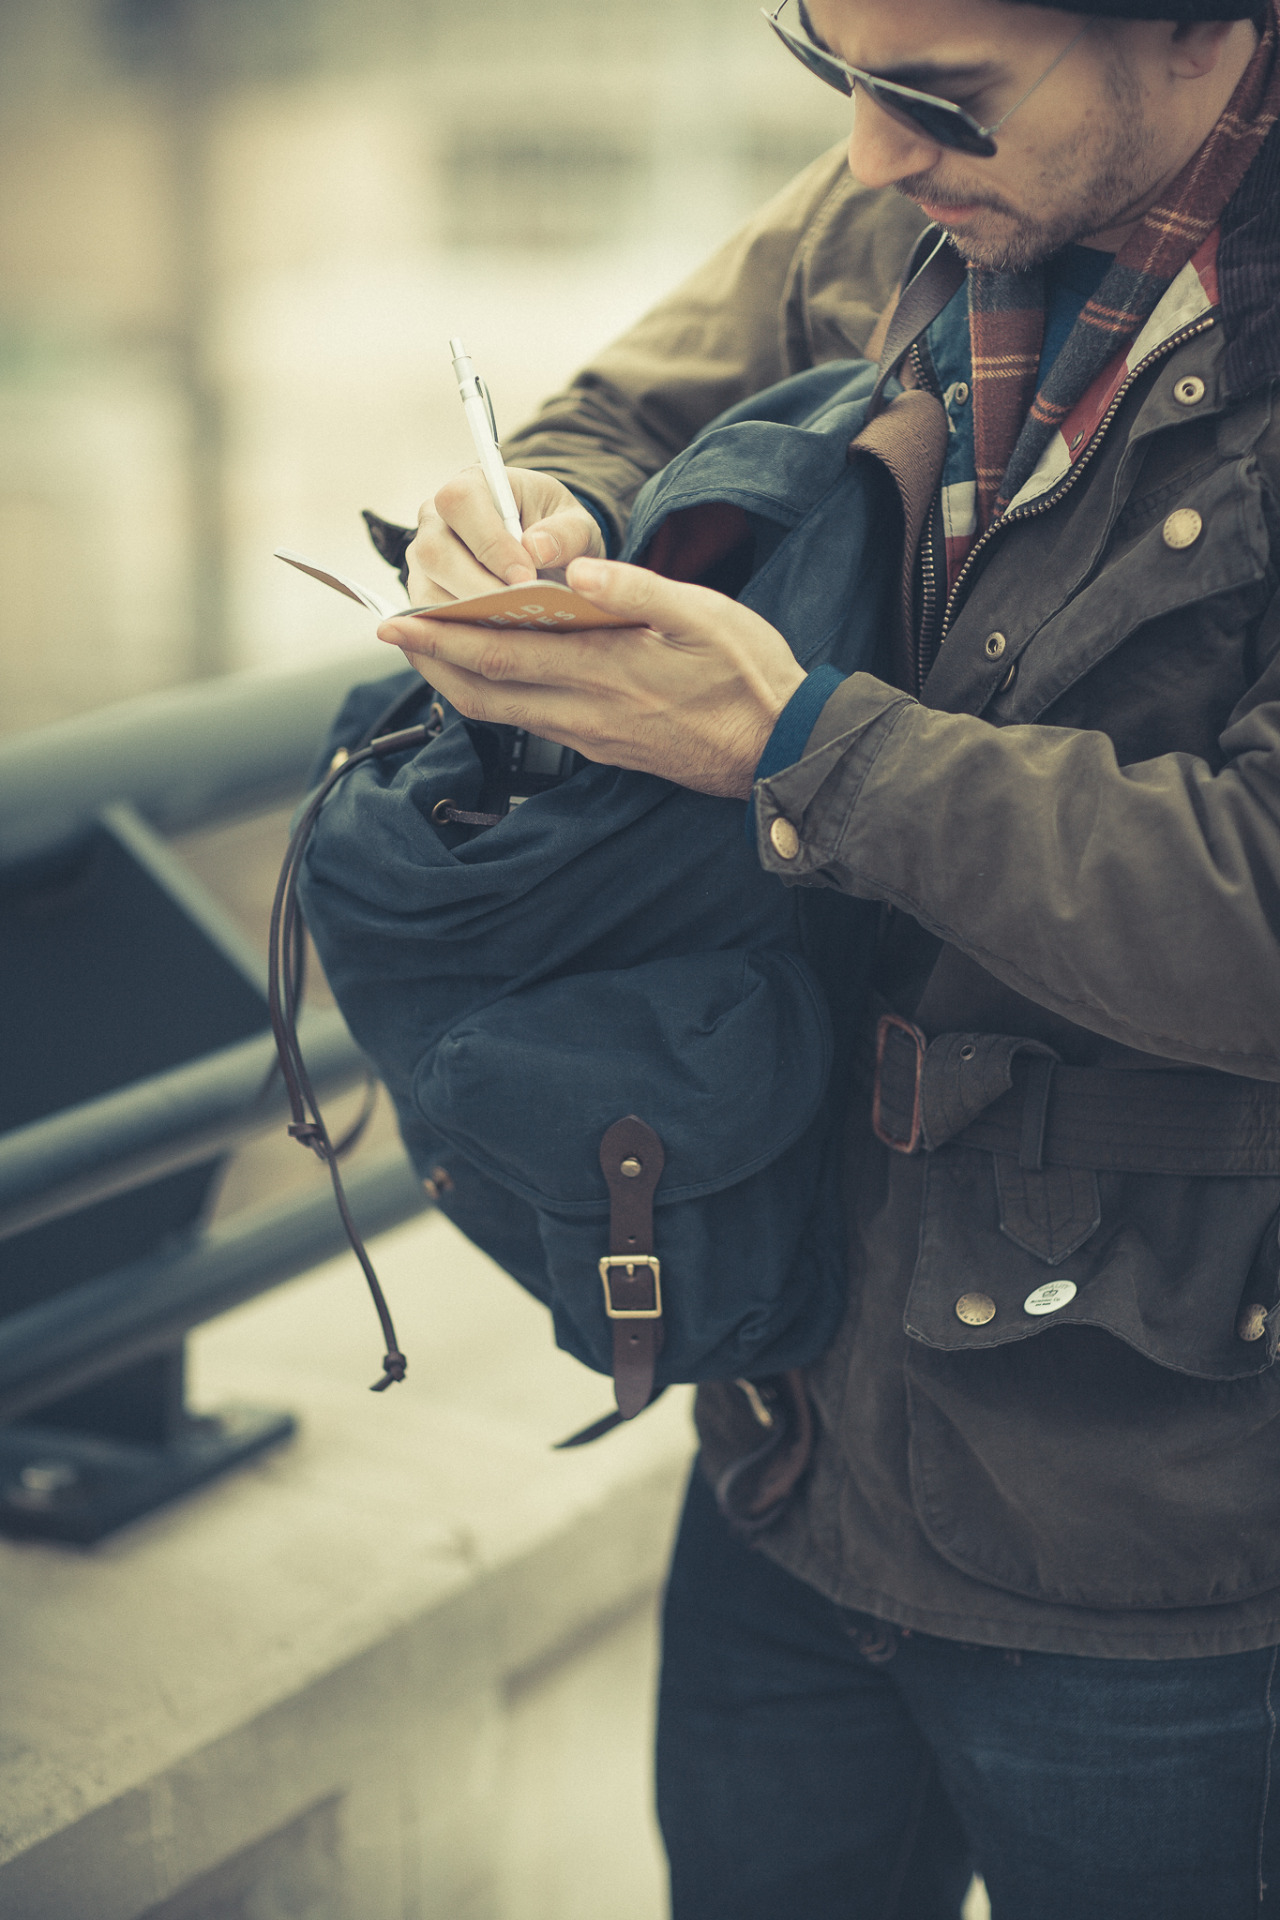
(815, 1764)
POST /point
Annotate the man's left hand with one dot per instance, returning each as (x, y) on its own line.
(691, 692)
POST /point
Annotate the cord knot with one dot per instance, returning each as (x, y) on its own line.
(394, 1367)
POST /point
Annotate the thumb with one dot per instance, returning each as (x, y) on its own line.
(670, 607)
(562, 537)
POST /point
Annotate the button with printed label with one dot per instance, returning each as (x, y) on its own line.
(1048, 1298)
(975, 1309)
(1182, 528)
(783, 838)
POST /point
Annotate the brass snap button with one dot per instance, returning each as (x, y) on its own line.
(783, 838)
(1009, 678)
(960, 392)
(1252, 1323)
(631, 1167)
(1188, 390)
(994, 645)
(1182, 528)
(1048, 1298)
(975, 1309)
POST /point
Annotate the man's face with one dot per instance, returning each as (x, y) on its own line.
(1080, 160)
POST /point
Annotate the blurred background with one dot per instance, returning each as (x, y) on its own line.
(403, 1667)
(235, 236)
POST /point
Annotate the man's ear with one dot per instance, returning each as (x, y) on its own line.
(1196, 46)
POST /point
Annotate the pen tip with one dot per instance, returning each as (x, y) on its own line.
(457, 349)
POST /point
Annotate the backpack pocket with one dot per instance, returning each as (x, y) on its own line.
(727, 1057)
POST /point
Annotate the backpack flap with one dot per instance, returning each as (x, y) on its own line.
(724, 1058)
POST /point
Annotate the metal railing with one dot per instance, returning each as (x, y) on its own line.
(84, 808)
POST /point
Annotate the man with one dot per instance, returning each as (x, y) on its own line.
(1023, 1611)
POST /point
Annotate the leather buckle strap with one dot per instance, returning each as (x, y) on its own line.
(630, 1288)
(897, 1117)
(632, 1159)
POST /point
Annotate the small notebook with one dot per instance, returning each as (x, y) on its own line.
(540, 604)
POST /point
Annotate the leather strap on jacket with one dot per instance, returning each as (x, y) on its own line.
(1012, 1096)
(631, 1158)
(921, 300)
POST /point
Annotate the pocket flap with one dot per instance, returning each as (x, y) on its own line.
(725, 1055)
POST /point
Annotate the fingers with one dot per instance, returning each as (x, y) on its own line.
(672, 608)
(461, 545)
(564, 536)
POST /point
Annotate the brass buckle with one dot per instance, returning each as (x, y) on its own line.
(650, 1260)
(918, 1041)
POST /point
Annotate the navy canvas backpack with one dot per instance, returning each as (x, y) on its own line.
(614, 1043)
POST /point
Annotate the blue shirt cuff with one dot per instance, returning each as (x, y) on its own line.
(790, 736)
(610, 538)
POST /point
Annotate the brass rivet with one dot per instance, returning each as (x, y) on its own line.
(1189, 390)
(442, 1179)
(975, 1309)
(1009, 678)
(631, 1167)
(1182, 528)
(994, 645)
(784, 838)
(1252, 1323)
(339, 759)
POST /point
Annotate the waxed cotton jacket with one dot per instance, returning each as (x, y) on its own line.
(802, 283)
(1052, 1416)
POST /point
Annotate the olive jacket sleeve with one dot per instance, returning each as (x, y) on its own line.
(1139, 901)
(803, 282)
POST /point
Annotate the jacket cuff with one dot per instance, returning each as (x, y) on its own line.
(790, 736)
(802, 809)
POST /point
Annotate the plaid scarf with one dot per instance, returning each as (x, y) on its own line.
(1012, 423)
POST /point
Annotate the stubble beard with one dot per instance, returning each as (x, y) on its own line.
(1113, 165)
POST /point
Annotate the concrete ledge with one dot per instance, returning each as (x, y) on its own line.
(315, 1659)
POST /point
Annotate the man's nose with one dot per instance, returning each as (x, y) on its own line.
(883, 148)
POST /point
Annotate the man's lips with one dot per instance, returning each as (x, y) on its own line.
(946, 215)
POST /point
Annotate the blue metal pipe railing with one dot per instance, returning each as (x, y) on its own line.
(157, 1126)
(180, 760)
(92, 1330)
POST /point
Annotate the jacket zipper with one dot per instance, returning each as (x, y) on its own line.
(1042, 505)
(928, 562)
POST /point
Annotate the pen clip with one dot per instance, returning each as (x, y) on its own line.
(483, 391)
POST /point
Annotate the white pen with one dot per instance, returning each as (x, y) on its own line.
(479, 412)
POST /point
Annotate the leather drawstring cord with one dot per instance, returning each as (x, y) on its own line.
(286, 958)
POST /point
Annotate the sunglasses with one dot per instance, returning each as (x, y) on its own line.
(940, 120)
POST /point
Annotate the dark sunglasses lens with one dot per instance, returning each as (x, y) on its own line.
(947, 125)
(814, 59)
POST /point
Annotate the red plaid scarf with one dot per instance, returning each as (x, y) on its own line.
(1012, 423)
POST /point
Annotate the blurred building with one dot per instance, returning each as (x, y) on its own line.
(234, 238)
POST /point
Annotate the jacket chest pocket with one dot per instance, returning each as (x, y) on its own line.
(1183, 571)
(1097, 1423)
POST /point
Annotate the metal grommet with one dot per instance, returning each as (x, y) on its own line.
(994, 645)
(968, 1050)
(438, 813)
(975, 1309)
(1182, 528)
(960, 393)
(1188, 390)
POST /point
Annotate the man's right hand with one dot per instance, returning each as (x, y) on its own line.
(462, 547)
